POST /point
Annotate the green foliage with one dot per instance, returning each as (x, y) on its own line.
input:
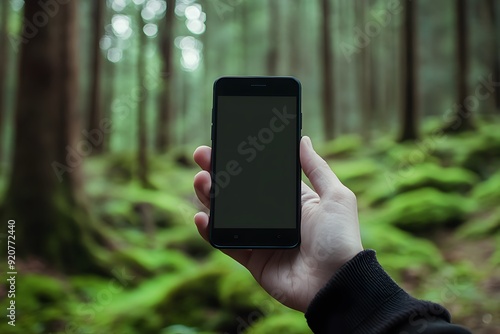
(41, 303)
(447, 179)
(341, 147)
(481, 225)
(426, 209)
(240, 292)
(184, 238)
(153, 261)
(292, 323)
(399, 251)
(488, 192)
(194, 301)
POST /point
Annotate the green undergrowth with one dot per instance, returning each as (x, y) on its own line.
(415, 200)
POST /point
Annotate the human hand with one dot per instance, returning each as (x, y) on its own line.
(329, 233)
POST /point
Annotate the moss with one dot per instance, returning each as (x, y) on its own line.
(355, 174)
(195, 301)
(41, 304)
(450, 179)
(341, 146)
(184, 238)
(426, 209)
(482, 225)
(488, 192)
(290, 323)
(399, 251)
(240, 292)
(130, 311)
(153, 261)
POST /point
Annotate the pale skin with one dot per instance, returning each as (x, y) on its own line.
(329, 232)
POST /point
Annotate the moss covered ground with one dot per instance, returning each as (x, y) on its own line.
(430, 208)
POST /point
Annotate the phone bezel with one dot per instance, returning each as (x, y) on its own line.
(250, 238)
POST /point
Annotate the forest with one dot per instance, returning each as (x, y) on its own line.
(102, 103)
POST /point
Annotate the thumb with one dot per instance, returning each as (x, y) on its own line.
(316, 169)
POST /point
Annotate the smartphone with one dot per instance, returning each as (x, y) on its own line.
(255, 170)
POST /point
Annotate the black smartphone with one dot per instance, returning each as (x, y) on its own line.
(256, 175)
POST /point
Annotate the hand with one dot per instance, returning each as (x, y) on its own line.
(329, 232)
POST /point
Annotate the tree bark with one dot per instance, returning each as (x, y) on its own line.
(365, 77)
(294, 35)
(327, 60)
(163, 130)
(409, 111)
(142, 158)
(4, 53)
(95, 110)
(45, 195)
(495, 26)
(461, 118)
(273, 48)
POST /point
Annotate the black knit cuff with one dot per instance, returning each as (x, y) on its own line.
(362, 298)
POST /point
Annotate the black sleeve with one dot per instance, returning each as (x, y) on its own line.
(362, 298)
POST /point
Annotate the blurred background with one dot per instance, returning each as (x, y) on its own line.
(103, 102)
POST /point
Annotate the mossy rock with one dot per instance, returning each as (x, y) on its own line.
(41, 305)
(240, 292)
(355, 174)
(150, 262)
(184, 238)
(477, 151)
(290, 323)
(426, 209)
(195, 301)
(482, 224)
(404, 156)
(488, 192)
(341, 146)
(447, 179)
(379, 191)
(398, 251)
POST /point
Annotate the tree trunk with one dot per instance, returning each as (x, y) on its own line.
(4, 52)
(273, 48)
(163, 130)
(294, 41)
(327, 60)
(461, 118)
(495, 26)
(142, 167)
(365, 77)
(45, 195)
(409, 117)
(95, 110)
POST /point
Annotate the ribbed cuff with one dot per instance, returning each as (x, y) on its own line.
(362, 298)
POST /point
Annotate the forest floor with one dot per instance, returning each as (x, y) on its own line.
(435, 225)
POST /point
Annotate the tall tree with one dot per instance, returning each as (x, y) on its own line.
(294, 40)
(45, 193)
(327, 61)
(461, 118)
(142, 157)
(274, 29)
(95, 110)
(4, 52)
(409, 109)
(495, 26)
(166, 39)
(365, 77)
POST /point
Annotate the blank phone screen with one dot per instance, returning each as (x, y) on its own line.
(256, 165)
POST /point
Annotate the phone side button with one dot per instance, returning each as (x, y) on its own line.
(300, 120)
(212, 132)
